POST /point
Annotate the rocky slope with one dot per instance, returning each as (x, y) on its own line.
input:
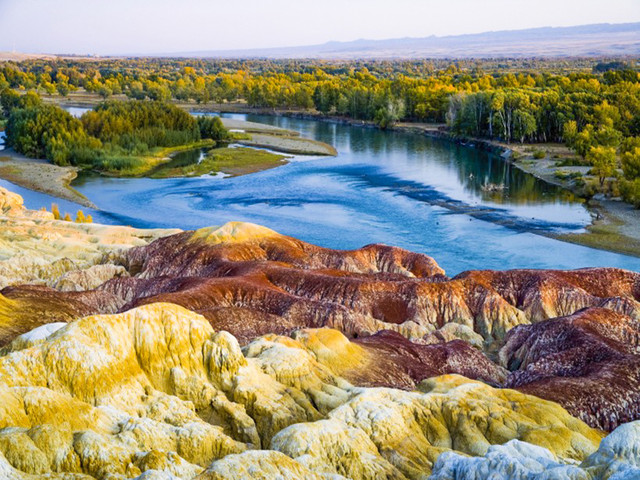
(588, 361)
(37, 250)
(617, 458)
(157, 388)
(236, 352)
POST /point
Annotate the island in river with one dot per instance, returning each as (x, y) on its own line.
(250, 147)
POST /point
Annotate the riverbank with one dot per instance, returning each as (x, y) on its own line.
(615, 224)
(45, 177)
(41, 176)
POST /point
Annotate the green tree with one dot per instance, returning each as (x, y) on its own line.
(570, 133)
(160, 93)
(212, 127)
(63, 88)
(9, 99)
(389, 112)
(524, 124)
(630, 191)
(631, 163)
(105, 92)
(603, 160)
(47, 131)
(584, 141)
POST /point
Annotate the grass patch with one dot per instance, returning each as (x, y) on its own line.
(604, 237)
(565, 175)
(142, 165)
(573, 162)
(234, 161)
(9, 171)
(604, 234)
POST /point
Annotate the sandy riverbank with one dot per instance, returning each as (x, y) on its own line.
(615, 225)
(278, 139)
(293, 145)
(41, 176)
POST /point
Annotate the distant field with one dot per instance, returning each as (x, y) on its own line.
(19, 57)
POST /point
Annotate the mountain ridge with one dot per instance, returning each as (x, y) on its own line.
(581, 40)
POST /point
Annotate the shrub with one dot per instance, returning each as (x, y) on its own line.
(631, 163)
(212, 127)
(630, 191)
(564, 175)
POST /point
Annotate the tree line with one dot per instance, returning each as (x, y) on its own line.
(593, 107)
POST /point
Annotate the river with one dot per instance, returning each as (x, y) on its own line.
(396, 188)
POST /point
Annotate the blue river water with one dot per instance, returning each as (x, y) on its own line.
(395, 188)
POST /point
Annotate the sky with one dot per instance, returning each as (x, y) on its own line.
(116, 27)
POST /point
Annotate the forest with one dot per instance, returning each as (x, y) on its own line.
(592, 106)
(112, 136)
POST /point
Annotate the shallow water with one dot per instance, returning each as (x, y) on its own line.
(385, 187)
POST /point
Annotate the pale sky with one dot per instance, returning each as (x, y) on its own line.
(166, 26)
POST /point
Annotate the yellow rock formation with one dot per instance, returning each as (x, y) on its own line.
(232, 232)
(36, 249)
(156, 389)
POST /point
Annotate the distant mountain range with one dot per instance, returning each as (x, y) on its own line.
(586, 40)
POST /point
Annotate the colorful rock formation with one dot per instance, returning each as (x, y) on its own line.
(37, 250)
(249, 280)
(588, 361)
(156, 388)
(236, 352)
(617, 458)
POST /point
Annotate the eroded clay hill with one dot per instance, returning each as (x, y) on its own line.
(588, 361)
(41, 257)
(157, 393)
(398, 306)
(157, 388)
(236, 352)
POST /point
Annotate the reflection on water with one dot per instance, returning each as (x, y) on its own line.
(182, 159)
(440, 172)
(76, 111)
(384, 187)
